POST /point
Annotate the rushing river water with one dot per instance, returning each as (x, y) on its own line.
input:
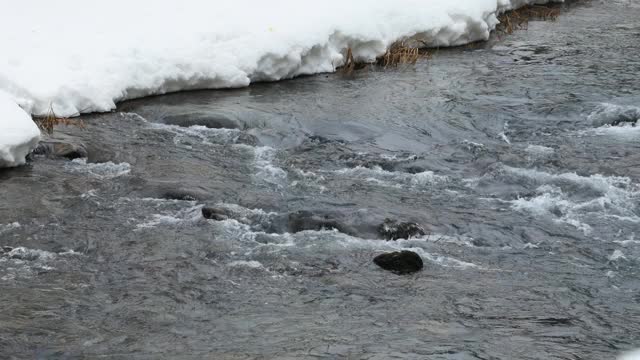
(519, 157)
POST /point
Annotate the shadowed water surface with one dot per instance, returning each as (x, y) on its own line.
(519, 158)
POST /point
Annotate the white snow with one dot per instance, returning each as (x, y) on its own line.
(74, 57)
(631, 355)
(18, 133)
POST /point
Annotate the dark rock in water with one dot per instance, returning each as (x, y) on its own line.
(180, 194)
(5, 249)
(414, 169)
(306, 220)
(394, 230)
(161, 189)
(480, 242)
(61, 149)
(247, 139)
(400, 262)
(214, 213)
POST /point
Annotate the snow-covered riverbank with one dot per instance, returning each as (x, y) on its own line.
(18, 134)
(75, 58)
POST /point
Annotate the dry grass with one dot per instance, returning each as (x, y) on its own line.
(402, 53)
(398, 53)
(519, 19)
(48, 122)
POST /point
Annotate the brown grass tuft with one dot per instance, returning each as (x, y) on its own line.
(350, 64)
(48, 122)
(399, 54)
(518, 19)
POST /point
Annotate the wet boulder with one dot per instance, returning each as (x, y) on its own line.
(61, 149)
(394, 230)
(306, 220)
(400, 262)
(215, 213)
(183, 194)
(5, 249)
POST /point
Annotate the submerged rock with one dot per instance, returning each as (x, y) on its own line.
(214, 213)
(181, 194)
(305, 220)
(5, 249)
(400, 262)
(212, 121)
(394, 230)
(61, 149)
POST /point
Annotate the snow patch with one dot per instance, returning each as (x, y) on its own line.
(18, 133)
(203, 44)
(631, 355)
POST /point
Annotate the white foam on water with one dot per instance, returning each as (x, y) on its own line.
(24, 253)
(307, 179)
(607, 114)
(416, 245)
(393, 179)
(106, 170)
(604, 117)
(266, 170)
(504, 137)
(617, 255)
(186, 136)
(395, 158)
(538, 152)
(9, 227)
(89, 194)
(319, 241)
(252, 264)
(474, 147)
(551, 204)
(173, 217)
(255, 219)
(503, 134)
(572, 198)
(22, 262)
(630, 241)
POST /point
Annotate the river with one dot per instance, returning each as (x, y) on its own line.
(520, 157)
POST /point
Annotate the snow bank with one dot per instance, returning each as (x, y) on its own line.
(18, 133)
(82, 57)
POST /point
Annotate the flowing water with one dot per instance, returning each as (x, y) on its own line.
(520, 158)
